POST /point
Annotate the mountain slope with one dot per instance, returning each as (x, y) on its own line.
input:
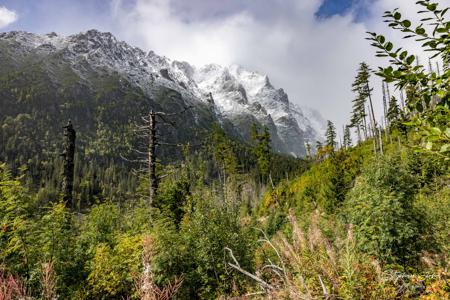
(73, 74)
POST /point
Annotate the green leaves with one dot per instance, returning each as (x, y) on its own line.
(406, 23)
(432, 6)
(445, 148)
(380, 208)
(420, 30)
(403, 55)
(410, 59)
(428, 90)
(389, 46)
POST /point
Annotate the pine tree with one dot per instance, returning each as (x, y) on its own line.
(394, 113)
(223, 152)
(363, 93)
(331, 135)
(347, 137)
(359, 115)
(262, 149)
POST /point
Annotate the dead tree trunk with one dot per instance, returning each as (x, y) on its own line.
(151, 156)
(68, 165)
(385, 110)
(381, 140)
(372, 113)
(149, 130)
(402, 101)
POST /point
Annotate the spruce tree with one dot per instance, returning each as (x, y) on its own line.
(262, 149)
(363, 93)
(394, 113)
(331, 135)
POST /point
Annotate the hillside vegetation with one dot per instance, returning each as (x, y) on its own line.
(230, 219)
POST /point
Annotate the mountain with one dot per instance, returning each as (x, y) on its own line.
(104, 84)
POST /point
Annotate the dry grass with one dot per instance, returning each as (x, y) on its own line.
(310, 266)
(145, 283)
(11, 287)
(48, 281)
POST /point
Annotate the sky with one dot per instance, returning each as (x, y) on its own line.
(310, 48)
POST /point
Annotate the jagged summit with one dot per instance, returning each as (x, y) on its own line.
(235, 94)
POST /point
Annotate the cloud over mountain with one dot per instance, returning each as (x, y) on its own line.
(7, 16)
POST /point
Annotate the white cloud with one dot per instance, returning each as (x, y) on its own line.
(7, 16)
(314, 60)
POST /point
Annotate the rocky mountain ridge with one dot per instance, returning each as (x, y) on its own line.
(232, 93)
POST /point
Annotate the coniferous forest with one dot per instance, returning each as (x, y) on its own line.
(106, 194)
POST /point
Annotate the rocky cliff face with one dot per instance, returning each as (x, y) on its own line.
(232, 96)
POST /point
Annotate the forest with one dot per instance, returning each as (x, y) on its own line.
(108, 207)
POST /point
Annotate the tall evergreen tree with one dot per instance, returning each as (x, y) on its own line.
(262, 149)
(331, 135)
(394, 113)
(363, 93)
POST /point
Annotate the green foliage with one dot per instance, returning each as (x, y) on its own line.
(331, 135)
(16, 207)
(262, 149)
(172, 196)
(102, 224)
(435, 206)
(54, 240)
(197, 249)
(355, 210)
(223, 151)
(428, 95)
(394, 115)
(112, 268)
(361, 88)
(381, 208)
(324, 185)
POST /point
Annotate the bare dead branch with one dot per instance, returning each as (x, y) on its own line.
(266, 286)
(324, 288)
(266, 240)
(160, 113)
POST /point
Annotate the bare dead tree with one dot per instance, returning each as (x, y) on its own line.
(384, 103)
(371, 112)
(381, 140)
(385, 109)
(68, 155)
(402, 100)
(151, 156)
(149, 130)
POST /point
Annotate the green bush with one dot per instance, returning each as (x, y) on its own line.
(195, 252)
(381, 208)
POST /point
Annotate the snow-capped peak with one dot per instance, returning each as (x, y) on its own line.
(234, 91)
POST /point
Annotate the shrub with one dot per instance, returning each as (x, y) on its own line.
(381, 208)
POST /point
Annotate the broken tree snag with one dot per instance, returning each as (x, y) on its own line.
(68, 163)
(149, 129)
(151, 156)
